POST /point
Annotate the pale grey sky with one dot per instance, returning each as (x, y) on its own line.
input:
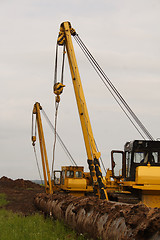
(123, 36)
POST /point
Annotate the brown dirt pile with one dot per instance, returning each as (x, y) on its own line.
(20, 194)
(99, 218)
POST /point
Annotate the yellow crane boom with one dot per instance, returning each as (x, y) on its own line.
(93, 155)
(46, 172)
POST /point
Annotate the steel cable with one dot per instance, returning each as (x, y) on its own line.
(59, 139)
(101, 72)
(113, 94)
(37, 164)
(34, 128)
(56, 62)
(55, 135)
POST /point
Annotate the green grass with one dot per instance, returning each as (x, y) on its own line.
(35, 227)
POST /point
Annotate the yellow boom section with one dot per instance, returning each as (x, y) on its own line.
(93, 156)
(46, 172)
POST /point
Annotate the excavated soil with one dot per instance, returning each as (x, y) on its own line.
(142, 222)
(107, 220)
(20, 195)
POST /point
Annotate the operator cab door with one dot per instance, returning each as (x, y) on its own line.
(118, 164)
(57, 177)
(123, 165)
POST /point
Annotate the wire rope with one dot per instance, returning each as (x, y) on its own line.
(55, 135)
(56, 62)
(101, 72)
(37, 164)
(113, 95)
(60, 140)
(33, 144)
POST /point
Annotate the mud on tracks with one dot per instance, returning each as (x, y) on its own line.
(20, 194)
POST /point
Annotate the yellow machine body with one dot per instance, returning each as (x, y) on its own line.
(73, 180)
(135, 176)
(148, 181)
(148, 176)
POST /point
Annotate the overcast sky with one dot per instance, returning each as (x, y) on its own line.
(124, 37)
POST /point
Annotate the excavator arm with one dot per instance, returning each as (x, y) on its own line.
(46, 173)
(93, 155)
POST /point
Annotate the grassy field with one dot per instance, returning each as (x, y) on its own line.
(17, 227)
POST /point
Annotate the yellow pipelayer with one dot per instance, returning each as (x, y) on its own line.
(93, 156)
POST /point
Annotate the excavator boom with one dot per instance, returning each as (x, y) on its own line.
(93, 155)
(46, 172)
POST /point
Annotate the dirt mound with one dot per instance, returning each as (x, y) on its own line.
(103, 219)
(18, 183)
(20, 194)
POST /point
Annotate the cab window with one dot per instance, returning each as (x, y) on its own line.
(78, 174)
(145, 157)
(70, 174)
(139, 156)
(128, 163)
(156, 157)
(63, 176)
(57, 177)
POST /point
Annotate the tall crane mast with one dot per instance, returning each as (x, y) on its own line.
(46, 172)
(93, 155)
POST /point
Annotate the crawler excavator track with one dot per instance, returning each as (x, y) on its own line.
(123, 198)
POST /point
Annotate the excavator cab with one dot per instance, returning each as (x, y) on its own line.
(136, 153)
(67, 172)
(139, 168)
(70, 179)
(140, 153)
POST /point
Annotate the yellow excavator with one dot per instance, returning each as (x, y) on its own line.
(71, 179)
(135, 174)
(138, 170)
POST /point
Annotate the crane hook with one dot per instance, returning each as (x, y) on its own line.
(58, 89)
